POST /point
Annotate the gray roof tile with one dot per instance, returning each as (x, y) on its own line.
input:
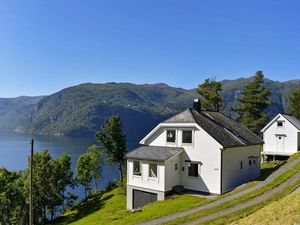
(293, 120)
(223, 129)
(153, 153)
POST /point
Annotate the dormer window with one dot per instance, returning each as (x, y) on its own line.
(280, 124)
(171, 136)
(186, 136)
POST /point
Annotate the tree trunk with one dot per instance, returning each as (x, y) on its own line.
(121, 171)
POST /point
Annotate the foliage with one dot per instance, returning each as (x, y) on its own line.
(13, 208)
(253, 102)
(111, 137)
(51, 177)
(295, 102)
(80, 110)
(89, 168)
(210, 93)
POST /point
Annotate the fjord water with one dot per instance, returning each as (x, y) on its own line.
(15, 149)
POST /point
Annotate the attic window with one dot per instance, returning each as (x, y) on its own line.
(187, 136)
(280, 124)
(171, 135)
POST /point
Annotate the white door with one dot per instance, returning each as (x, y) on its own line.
(280, 143)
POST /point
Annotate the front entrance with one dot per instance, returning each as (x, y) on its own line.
(280, 143)
(142, 198)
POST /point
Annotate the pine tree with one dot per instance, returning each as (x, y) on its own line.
(113, 141)
(253, 102)
(210, 93)
(295, 102)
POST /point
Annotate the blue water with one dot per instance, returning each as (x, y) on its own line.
(15, 149)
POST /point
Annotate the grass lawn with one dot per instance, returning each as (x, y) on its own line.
(282, 211)
(111, 209)
(283, 177)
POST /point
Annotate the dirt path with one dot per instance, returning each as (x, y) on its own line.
(229, 197)
(254, 201)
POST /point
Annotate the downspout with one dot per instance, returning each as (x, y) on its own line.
(221, 172)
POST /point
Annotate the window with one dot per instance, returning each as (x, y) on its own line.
(153, 170)
(250, 161)
(176, 166)
(193, 170)
(137, 168)
(241, 165)
(254, 162)
(186, 136)
(171, 135)
(280, 124)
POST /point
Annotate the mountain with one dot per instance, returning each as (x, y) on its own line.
(13, 110)
(81, 110)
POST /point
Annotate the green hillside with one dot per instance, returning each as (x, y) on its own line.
(82, 109)
(283, 211)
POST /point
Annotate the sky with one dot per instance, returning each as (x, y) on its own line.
(49, 45)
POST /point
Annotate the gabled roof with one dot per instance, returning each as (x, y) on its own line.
(293, 120)
(223, 129)
(153, 153)
(183, 117)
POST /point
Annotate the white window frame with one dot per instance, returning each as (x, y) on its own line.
(176, 136)
(198, 169)
(280, 121)
(187, 144)
(141, 169)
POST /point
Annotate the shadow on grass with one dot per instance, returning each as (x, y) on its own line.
(85, 208)
(265, 172)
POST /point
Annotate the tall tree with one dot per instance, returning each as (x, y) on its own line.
(111, 137)
(210, 93)
(89, 168)
(13, 208)
(253, 101)
(295, 102)
(51, 177)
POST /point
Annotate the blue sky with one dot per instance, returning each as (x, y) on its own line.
(48, 45)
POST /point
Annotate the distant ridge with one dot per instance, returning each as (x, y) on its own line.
(81, 110)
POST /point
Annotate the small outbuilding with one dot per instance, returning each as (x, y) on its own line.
(281, 136)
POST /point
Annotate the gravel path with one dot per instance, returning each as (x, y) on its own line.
(229, 197)
(254, 201)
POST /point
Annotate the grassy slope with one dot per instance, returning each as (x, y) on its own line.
(283, 211)
(111, 209)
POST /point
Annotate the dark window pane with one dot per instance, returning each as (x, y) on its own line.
(176, 166)
(241, 165)
(137, 168)
(171, 135)
(186, 136)
(193, 170)
(279, 123)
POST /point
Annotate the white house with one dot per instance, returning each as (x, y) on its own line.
(281, 136)
(201, 150)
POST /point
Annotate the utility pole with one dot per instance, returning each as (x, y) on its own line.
(31, 184)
